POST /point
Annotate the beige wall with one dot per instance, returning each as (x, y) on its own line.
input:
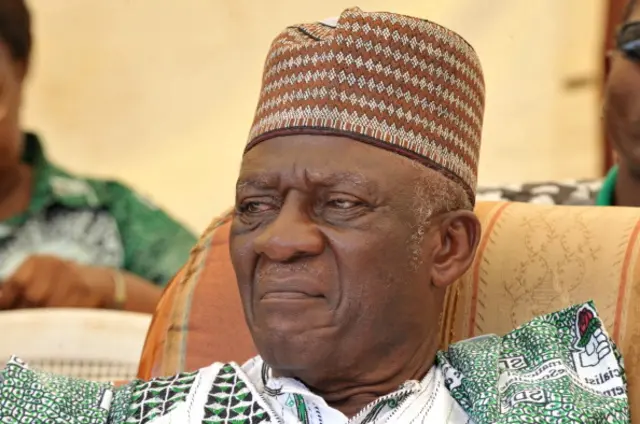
(160, 93)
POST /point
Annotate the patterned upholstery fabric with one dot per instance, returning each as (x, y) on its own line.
(532, 260)
(196, 324)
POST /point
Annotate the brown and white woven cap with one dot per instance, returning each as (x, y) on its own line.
(400, 83)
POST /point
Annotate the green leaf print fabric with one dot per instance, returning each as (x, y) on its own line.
(558, 368)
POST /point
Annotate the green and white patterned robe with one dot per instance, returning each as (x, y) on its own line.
(91, 222)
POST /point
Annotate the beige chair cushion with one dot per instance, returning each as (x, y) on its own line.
(91, 344)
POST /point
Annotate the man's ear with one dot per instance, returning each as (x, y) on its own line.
(459, 234)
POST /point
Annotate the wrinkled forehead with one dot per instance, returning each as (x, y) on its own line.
(325, 160)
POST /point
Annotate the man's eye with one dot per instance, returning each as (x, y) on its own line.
(255, 207)
(343, 203)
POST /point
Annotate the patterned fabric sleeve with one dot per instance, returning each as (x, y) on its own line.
(28, 396)
(36, 397)
(155, 246)
(561, 367)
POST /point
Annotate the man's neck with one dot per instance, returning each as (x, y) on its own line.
(385, 377)
(627, 189)
(15, 190)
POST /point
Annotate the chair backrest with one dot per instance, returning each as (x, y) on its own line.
(532, 260)
(91, 344)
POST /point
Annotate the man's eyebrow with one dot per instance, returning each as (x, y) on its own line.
(257, 182)
(266, 182)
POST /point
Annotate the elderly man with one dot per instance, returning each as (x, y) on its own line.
(353, 216)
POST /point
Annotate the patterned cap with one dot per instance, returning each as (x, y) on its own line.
(400, 83)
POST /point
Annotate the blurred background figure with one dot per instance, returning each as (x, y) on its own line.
(622, 113)
(621, 124)
(65, 240)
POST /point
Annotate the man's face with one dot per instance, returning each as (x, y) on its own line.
(334, 269)
(11, 77)
(622, 103)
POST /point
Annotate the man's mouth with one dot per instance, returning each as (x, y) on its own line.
(295, 288)
(289, 295)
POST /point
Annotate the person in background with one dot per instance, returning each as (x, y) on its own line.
(68, 241)
(621, 186)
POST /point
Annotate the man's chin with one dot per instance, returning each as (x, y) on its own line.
(285, 328)
(296, 358)
(294, 342)
(291, 316)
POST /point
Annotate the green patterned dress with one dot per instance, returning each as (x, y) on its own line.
(91, 222)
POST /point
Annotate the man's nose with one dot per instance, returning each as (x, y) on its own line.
(291, 235)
